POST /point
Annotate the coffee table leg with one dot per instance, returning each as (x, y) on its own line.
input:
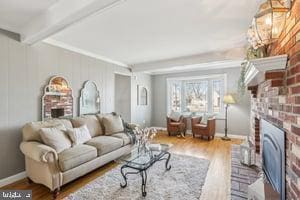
(167, 162)
(144, 181)
(125, 179)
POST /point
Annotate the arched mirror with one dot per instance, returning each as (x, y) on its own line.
(89, 102)
(57, 100)
(142, 95)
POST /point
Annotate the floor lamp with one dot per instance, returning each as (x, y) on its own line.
(228, 99)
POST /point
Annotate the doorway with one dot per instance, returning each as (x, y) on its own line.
(123, 96)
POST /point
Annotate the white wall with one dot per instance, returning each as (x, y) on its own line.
(238, 114)
(137, 111)
(25, 70)
(123, 96)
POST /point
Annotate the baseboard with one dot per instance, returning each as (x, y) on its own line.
(12, 179)
(189, 132)
(242, 137)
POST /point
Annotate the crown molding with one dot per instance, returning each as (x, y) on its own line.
(199, 67)
(189, 62)
(256, 68)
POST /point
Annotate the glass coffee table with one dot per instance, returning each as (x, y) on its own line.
(137, 162)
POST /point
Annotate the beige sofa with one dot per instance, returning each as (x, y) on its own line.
(45, 166)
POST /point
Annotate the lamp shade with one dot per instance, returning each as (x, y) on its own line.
(270, 21)
(228, 99)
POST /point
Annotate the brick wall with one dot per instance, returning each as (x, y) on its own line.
(278, 100)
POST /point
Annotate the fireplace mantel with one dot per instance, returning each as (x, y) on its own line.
(256, 68)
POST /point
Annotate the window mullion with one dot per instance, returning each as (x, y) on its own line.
(209, 94)
(183, 94)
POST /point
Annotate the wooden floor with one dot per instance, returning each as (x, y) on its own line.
(217, 183)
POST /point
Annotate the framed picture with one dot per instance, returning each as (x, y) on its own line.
(142, 95)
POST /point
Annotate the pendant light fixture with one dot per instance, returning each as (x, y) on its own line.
(270, 21)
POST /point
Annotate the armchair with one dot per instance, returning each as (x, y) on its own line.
(207, 130)
(177, 127)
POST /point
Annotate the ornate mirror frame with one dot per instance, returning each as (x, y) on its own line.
(89, 103)
(142, 95)
(57, 100)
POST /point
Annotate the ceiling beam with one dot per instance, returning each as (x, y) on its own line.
(235, 54)
(61, 15)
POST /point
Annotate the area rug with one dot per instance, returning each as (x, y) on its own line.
(183, 182)
(241, 176)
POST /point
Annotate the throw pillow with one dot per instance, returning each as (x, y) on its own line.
(112, 124)
(92, 123)
(79, 135)
(56, 138)
(175, 116)
(206, 117)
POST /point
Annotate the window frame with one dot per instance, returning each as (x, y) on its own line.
(193, 79)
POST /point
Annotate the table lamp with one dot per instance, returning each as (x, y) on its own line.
(228, 99)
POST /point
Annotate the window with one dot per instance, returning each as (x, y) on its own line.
(216, 92)
(176, 97)
(196, 94)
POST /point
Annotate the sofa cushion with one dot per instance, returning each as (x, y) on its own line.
(100, 117)
(56, 138)
(79, 135)
(112, 124)
(92, 123)
(31, 130)
(75, 156)
(105, 144)
(123, 136)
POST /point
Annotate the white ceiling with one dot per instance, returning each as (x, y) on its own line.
(139, 31)
(14, 14)
(143, 34)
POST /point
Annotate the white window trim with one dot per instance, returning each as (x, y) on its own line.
(204, 77)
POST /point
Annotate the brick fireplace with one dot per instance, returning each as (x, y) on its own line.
(277, 100)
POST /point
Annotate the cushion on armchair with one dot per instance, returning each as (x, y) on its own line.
(203, 126)
(175, 116)
(206, 117)
(175, 124)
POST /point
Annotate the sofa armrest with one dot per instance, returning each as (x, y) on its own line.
(38, 151)
(131, 126)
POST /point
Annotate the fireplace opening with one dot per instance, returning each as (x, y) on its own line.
(273, 156)
(57, 112)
